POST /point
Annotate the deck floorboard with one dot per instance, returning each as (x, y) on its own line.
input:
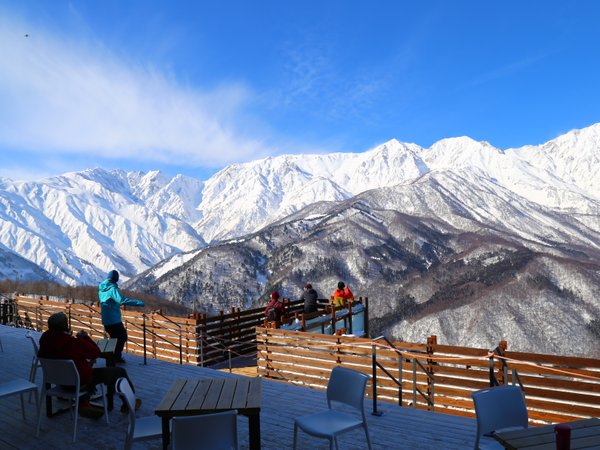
(397, 428)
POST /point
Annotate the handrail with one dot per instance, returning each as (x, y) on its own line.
(499, 351)
(146, 330)
(375, 364)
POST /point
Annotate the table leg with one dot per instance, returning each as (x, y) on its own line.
(166, 435)
(254, 426)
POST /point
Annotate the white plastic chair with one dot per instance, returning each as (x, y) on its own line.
(35, 362)
(63, 374)
(18, 386)
(138, 429)
(345, 386)
(217, 432)
(500, 408)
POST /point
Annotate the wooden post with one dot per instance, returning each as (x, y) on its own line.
(350, 316)
(431, 343)
(503, 372)
(366, 316)
(332, 318)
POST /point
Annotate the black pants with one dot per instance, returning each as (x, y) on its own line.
(109, 377)
(117, 331)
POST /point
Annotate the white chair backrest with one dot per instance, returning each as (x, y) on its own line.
(60, 371)
(499, 407)
(34, 343)
(347, 386)
(208, 432)
(123, 388)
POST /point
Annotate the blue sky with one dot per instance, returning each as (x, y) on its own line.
(191, 86)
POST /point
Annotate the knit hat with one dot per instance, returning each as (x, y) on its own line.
(341, 285)
(113, 276)
(58, 322)
(275, 295)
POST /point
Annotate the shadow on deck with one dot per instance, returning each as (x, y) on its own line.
(398, 428)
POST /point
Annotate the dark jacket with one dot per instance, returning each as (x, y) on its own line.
(61, 345)
(310, 300)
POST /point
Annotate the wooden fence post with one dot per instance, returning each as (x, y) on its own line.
(431, 343)
(366, 316)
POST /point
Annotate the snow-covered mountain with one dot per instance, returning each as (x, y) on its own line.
(430, 259)
(79, 225)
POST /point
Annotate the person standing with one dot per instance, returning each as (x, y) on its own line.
(309, 296)
(341, 294)
(111, 300)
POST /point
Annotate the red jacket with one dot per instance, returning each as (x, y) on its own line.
(343, 293)
(275, 303)
(61, 345)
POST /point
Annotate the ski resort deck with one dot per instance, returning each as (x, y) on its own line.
(397, 428)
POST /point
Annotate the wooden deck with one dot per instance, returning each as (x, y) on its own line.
(398, 428)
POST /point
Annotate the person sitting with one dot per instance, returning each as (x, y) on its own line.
(58, 343)
(309, 296)
(341, 294)
(275, 308)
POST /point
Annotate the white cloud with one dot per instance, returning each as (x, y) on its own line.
(63, 97)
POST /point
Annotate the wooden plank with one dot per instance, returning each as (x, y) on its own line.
(170, 396)
(227, 394)
(199, 394)
(213, 394)
(241, 393)
(181, 403)
(254, 393)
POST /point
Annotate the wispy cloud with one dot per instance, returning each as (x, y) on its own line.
(64, 97)
(316, 82)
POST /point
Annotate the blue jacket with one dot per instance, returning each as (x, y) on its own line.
(111, 300)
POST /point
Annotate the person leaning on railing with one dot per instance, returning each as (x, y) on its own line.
(275, 308)
(111, 300)
(309, 296)
(341, 294)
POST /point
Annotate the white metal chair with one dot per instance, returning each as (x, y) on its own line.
(499, 408)
(18, 386)
(218, 432)
(35, 362)
(347, 387)
(63, 374)
(138, 429)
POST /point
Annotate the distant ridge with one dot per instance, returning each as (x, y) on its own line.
(79, 225)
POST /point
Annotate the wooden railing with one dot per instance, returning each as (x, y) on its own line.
(150, 334)
(557, 388)
(197, 339)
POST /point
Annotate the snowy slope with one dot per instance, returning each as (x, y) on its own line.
(79, 225)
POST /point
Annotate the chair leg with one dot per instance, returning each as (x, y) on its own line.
(104, 402)
(22, 405)
(39, 405)
(295, 434)
(368, 437)
(32, 372)
(75, 419)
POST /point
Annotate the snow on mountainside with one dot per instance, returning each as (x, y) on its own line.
(442, 255)
(78, 225)
(245, 197)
